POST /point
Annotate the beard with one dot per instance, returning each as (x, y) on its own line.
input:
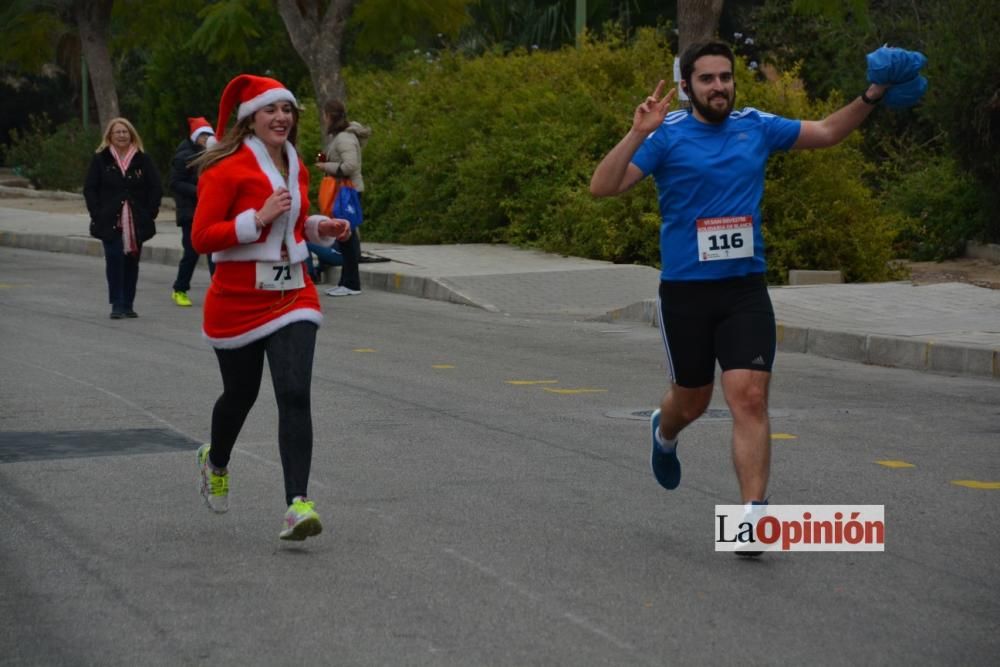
(710, 113)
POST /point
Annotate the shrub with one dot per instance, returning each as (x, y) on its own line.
(944, 207)
(502, 148)
(53, 158)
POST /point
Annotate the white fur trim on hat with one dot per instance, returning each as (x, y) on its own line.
(270, 96)
(206, 129)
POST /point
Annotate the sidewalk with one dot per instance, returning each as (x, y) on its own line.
(948, 327)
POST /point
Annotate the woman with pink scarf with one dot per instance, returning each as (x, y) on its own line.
(123, 194)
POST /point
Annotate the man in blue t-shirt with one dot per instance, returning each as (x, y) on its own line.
(708, 164)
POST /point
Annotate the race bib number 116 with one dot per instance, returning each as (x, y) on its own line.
(725, 238)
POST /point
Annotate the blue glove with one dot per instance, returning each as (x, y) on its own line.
(891, 66)
(899, 69)
(906, 94)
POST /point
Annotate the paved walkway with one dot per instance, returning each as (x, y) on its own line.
(948, 327)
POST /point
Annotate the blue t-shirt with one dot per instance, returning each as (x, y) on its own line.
(710, 179)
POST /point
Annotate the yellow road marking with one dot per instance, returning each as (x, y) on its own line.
(364, 349)
(520, 382)
(441, 366)
(574, 391)
(895, 464)
(973, 484)
(783, 436)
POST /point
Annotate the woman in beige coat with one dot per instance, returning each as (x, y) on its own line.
(343, 154)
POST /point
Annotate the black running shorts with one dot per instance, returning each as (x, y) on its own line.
(728, 320)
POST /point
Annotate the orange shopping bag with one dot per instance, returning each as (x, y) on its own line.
(327, 194)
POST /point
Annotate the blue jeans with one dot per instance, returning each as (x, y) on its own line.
(122, 272)
(327, 256)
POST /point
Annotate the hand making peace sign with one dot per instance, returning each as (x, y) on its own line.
(650, 114)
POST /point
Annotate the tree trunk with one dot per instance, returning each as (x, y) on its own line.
(318, 40)
(697, 21)
(93, 20)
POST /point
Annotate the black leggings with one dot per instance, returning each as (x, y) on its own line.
(289, 353)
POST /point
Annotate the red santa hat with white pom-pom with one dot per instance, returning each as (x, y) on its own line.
(251, 93)
(200, 126)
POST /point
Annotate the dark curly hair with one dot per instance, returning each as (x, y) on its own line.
(699, 49)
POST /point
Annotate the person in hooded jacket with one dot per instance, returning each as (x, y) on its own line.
(184, 184)
(123, 192)
(343, 161)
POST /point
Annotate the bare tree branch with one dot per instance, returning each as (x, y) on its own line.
(93, 20)
(318, 38)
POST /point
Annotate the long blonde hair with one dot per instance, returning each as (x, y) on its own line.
(233, 139)
(106, 138)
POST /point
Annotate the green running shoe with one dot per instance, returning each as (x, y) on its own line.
(214, 484)
(181, 299)
(301, 520)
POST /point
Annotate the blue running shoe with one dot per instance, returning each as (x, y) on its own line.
(666, 467)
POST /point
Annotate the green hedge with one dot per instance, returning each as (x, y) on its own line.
(501, 149)
(53, 158)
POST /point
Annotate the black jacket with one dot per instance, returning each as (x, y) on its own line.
(106, 189)
(184, 180)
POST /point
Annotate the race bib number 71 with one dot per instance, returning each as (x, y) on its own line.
(275, 276)
(725, 238)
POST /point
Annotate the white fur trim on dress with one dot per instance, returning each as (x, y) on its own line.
(282, 232)
(312, 231)
(246, 226)
(270, 96)
(265, 330)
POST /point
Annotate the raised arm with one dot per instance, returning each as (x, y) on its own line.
(616, 173)
(834, 128)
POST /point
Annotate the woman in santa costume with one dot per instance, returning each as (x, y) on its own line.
(252, 217)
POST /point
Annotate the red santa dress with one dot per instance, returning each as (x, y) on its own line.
(240, 306)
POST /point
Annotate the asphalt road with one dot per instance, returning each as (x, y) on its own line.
(484, 486)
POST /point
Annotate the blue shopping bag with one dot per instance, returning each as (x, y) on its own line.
(347, 204)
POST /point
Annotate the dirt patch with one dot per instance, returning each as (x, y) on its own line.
(979, 272)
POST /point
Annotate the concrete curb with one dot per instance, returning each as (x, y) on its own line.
(437, 289)
(891, 351)
(419, 286)
(874, 349)
(83, 245)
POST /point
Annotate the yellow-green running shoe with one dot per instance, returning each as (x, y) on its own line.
(214, 484)
(181, 299)
(301, 520)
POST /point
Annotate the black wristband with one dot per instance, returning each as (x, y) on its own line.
(868, 100)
